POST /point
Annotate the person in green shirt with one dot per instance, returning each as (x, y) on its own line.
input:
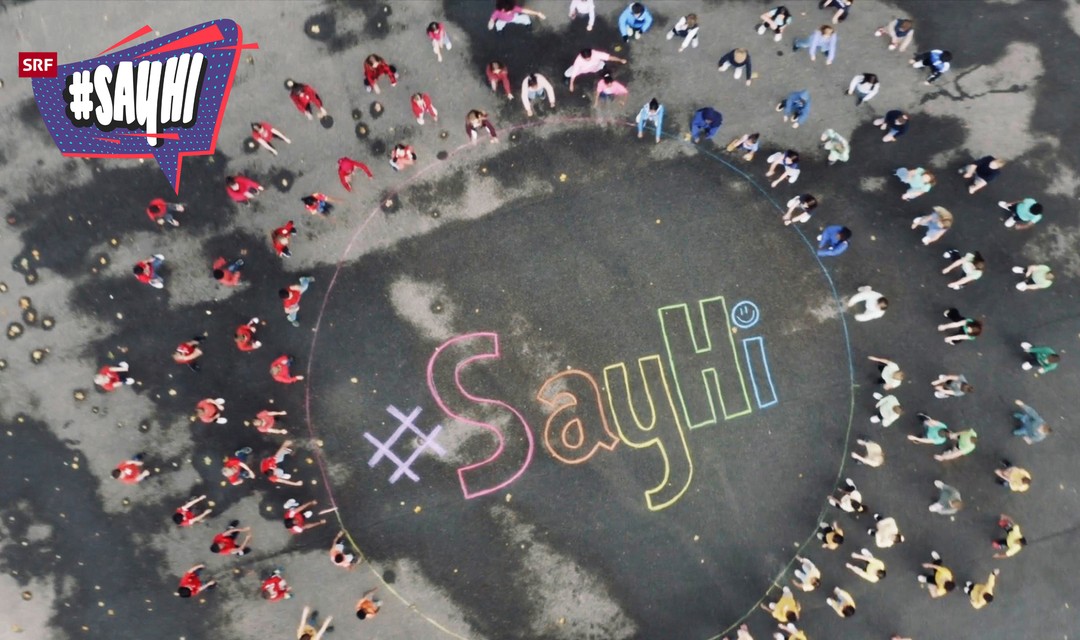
(1037, 276)
(1045, 358)
(1023, 213)
(937, 432)
(965, 444)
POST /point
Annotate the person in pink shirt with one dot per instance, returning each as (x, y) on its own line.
(507, 12)
(498, 73)
(436, 32)
(584, 8)
(421, 105)
(608, 88)
(589, 61)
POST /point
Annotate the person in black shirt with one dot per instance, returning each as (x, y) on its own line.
(894, 123)
(982, 172)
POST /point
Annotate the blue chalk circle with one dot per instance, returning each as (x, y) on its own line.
(745, 314)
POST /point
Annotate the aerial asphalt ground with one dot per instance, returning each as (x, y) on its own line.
(505, 345)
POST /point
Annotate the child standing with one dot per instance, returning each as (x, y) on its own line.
(804, 204)
(422, 105)
(876, 304)
(305, 98)
(634, 21)
(242, 189)
(837, 146)
(864, 87)
(374, 68)
(497, 74)
(436, 32)
(290, 298)
(146, 271)
(507, 12)
(318, 203)
(900, 31)
(263, 133)
(653, 112)
(586, 8)
(937, 60)
(687, 29)
(608, 88)
(823, 39)
(936, 222)
(918, 180)
(280, 237)
(796, 107)
(345, 168)
(161, 212)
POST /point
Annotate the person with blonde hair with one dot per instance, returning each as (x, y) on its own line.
(686, 28)
(740, 59)
(937, 222)
(823, 39)
(918, 180)
(901, 32)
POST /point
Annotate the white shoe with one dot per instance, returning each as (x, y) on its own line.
(875, 419)
(1025, 345)
(1004, 205)
(761, 30)
(738, 72)
(1021, 286)
(1010, 222)
(253, 321)
(939, 394)
(221, 420)
(129, 381)
(159, 257)
(693, 43)
(778, 37)
(878, 396)
(670, 35)
(449, 45)
(1026, 366)
(291, 502)
(637, 35)
(1018, 269)
(157, 284)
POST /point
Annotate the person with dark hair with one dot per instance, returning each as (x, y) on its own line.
(843, 8)
(290, 298)
(972, 264)
(935, 432)
(843, 604)
(109, 379)
(889, 374)
(1017, 479)
(937, 60)
(265, 420)
(833, 240)
(305, 98)
(244, 336)
(823, 39)
(131, 471)
(848, 498)
(951, 386)
(874, 456)
(536, 87)
(886, 533)
(585, 8)
(786, 608)
(864, 87)
(271, 467)
(874, 570)
(281, 370)
(281, 237)
(235, 468)
(242, 189)
(225, 272)
(436, 32)
(965, 444)
(588, 61)
(705, 124)
(796, 107)
(146, 271)
(402, 156)
(790, 161)
(191, 583)
(982, 594)
(263, 133)
(184, 516)
(740, 59)
(887, 410)
(608, 88)
(1042, 359)
(894, 123)
(937, 222)
(188, 353)
(339, 555)
(775, 20)
(308, 622)
(208, 410)
(476, 120)
(422, 105)
(940, 579)
(376, 67)
(901, 31)
(1036, 276)
(634, 21)
(875, 304)
(686, 28)
(831, 535)
(345, 168)
(1014, 539)
(1024, 214)
(804, 204)
(318, 203)
(225, 542)
(296, 516)
(982, 172)
(368, 606)
(969, 328)
(497, 74)
(653, 112)
(275, 588)
(748, 142)
(509, 12)
(161, 212)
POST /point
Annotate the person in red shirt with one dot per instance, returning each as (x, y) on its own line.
(227, 273)
(225, 542)
(290, 299)
(318, 203)
(191, 583)
(476, 120)
(280, 370)
(241, 188)
(264, 422)
(263, 133)
(305, 98)
(245, 336)
(275, 588)
(108, 378)
(236, 469)
(421, 105)
(189, 353)
(436, 32)
(498, 73)
(374, 68)
(131, 471)
(146, 271)
(185, 516)
(209, 410)
(271, 467)
(161, 212)
(345, 168)
(297, 515)
(280, 238)
(402, 156)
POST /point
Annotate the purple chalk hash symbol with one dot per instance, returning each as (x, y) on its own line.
(424, 442)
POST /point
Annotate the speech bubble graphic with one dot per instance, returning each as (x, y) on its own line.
(162, 99)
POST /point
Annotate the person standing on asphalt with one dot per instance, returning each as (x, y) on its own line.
(969, 328)
(807, 575)
(1036, 276)
(191, 583)
(436, 32)
(290, 298)
(1012, 477)
(308, 622)
(831, 535)
(265, 420)
(971, 263)
(901, 31)
(608, 88)
(876, 304)
(951, 386)
(935, 432)
(940, 579)
(188, 353)
(281, 370)
(263, 133)
(585, 8)
(843, 604)
(131, 471)
(1013, 541)
(823, 40)
(875, 455)
(161, 212)
(848, 498)
(833, 241)
(227, 272)
(421, 106)
(225, 542)
(402, 156)
(235, 468)
(244, 336)
(889, 374)
(652, 112)
(306, 99)
(509, 12)
(687, 29)
(775, 20)
(786, 609)
(271, 467)
(936, 59)
(497, 74)
(1023, 214)
(886, 533)
(918, 180)
(965, 444)
(894, 123)
(888, 410)
(864, 87)
(146, 271)
(872, 572)
(706, 123)
(790, 161)
(208, 410)
(185, 516)
(297, 515)
(536, 87)
(804, 204)
(982, 172)
(368, 606)
(843, 8)
(1045, 358)
(242, 189)
(937, 222)
(589, 61)
(748, 142)
(949, 500)
(108, 377)
(346, 167)
(376, 67)
(1032, 426)
(982, 594)
(476, 120)
(837, 145)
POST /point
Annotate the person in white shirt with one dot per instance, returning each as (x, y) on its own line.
(888, 409)
(687, 29)
(886, 533)
(850, 499)
(807, 576)
(875, 455)
(876, 304)
(890, 376)
(536, 87)
(583, 8)
(864, 87)
(972, 264)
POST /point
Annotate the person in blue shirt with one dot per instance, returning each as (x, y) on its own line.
(653, 111)
(705, 124)
(634, 21)
(796, 107)
(833, 240)
(823, 39)
(1032, 426)
(936, 59)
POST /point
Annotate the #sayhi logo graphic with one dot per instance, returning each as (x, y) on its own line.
(162, 99)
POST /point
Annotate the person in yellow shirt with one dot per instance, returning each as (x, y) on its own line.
(874, 570)
(793, 632)
(843, 604)
(982, 594)
(1014, 539)
(831, 535)
(1015, 478)
(941, 575)
(786, 609)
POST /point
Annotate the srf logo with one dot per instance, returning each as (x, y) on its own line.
(37, 64)
(162, 99)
